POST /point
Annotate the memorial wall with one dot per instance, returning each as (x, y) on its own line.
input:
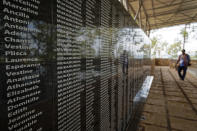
(69, 65)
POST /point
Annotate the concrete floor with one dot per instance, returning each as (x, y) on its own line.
(193, 70)
(171, 104)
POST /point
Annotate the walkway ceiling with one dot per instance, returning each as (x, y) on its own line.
(154, 14)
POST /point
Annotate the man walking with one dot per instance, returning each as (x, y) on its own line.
(183, 62)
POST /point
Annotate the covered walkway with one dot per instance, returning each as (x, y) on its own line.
(171, 104)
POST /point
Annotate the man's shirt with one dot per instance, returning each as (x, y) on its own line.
(184, 60)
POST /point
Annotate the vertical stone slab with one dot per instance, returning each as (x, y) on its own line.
(105, 74)
(69, 23)
(68, 65)
(26, 93)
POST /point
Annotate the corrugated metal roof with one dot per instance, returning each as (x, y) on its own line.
(154, 14)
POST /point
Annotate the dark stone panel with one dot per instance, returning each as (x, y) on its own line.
(26, 62)
(69, 65)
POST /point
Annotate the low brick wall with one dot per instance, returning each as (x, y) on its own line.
(162, 62)
(171, 63)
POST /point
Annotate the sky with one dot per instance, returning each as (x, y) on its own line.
(172, 34)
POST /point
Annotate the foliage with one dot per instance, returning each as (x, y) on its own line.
(194, 56)
(184, 34)
(154, 44)
(158, 46)
(146, 50)
(174, 49)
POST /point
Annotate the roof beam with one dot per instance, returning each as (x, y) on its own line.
(175, 4)
(133, 0)
(131, 8)
(169, 13)
(140, 20)
(175, 21)
(152, 3)
(145, 13)
(172, 12)
(171, 2)
(163, 16)
(162, 2)
(138, 11)
(175, 13)
(167, 25)
(186, 15)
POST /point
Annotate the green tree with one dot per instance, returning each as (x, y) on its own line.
(174, 49)
(154, 45)
(184, 34)
(157, 46)
(146, 49)
(164, 46)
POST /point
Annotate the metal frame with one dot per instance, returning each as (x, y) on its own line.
(153, 14)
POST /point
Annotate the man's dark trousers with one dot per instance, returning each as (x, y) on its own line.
(180, 68)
